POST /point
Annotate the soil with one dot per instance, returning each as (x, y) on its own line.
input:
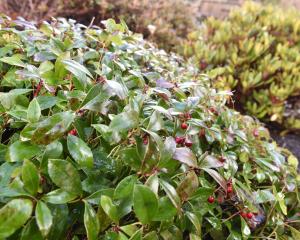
(291, 140)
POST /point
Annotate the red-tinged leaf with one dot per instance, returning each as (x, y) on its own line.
(186, 156)
(218, 178)
(211, 161)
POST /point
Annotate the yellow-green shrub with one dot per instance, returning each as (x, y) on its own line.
(256, 53)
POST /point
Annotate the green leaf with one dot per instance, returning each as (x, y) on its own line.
(215, 222)
(125, 188)
(153, 183)
(76, 67)
(131, 157)
(295, 233)
(52, 128)
(91, 222)
(194, 237)
(156, 122)
(59, 196)
(94, 99)
(46, 102)
(171, 193)
(166, 210)
(281, 200)
(130, 229)
(80, 151)
(245, 229)
(188, 186)
(234, 236)
(217, 177)
(80, 71)
(65, 175)
(45, 67)
(167, 152)
(120, 90)
(34, 111)
(137, 235)
(8, 99)
(145, 203)
(293, 161)
(31, 231)
(124, 121)
(263, 196)
(14, 60)
(151, 236)
(30, 177)
(43, 218)
(194, 219)
(61, 217)
(19, 151)
(14, 215)
(109, 208)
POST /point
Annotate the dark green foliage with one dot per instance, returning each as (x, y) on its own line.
(89, 118)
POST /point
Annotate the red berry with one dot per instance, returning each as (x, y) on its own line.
(73, 132)
(249, 215)
(203, 64)
(243, 214)
(229, 189)
(184, 125)
(188, 143)
(255, 133)
(211, 199)
(145, 140)
(222, 159)
(179, 140)
(212, 110)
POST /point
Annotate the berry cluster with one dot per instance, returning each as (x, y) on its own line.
(73, 132)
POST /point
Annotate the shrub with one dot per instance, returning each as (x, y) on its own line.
(166, 30)
(255, 52)
(105, 137)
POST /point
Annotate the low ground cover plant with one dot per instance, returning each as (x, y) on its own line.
(254, 52)
(104, 136)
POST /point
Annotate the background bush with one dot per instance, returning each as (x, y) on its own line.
(104, 136)
(166, 30)
(254, 52)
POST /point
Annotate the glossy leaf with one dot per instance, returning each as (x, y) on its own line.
(125, 188)
(171, 193)
(43, 218)
(194, 219)
(30, 177)
(31, 231)
(34, 111)
(13, 215)
(80, 151)
(19, 151)
(52, 128)
(186, 156)
(91, 222)
(59, 196)
(65, 176)
(145, 203)
(109, 208)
